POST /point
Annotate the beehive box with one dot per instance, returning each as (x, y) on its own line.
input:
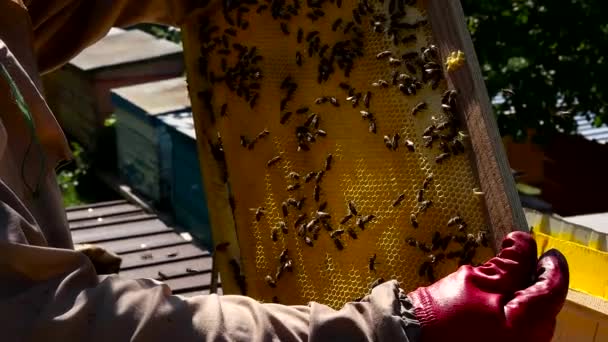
(143, 143)
(188, 199)
(351, 154)
(584, 317)
(79, 92)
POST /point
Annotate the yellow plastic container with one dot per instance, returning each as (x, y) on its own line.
(585, 314)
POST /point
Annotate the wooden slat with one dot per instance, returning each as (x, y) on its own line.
(501, 198)
(149, 241)
(102, 211)
(170, 270)
(95, 205)
(161, 255)
(111, 220)
(115, 232)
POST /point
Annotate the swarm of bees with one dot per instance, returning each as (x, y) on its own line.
(410, 73)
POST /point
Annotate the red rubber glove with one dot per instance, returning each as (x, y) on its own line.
(512, 297)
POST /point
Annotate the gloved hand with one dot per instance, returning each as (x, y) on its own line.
(512, 297)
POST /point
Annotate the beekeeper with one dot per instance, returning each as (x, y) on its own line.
(49, 292)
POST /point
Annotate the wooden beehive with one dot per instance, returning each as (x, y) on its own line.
(188, 198)
(143, 145)
(79, 92)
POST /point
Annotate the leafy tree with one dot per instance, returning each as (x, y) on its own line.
(545, 58)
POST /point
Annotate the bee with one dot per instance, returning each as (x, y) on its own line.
(430, 274)
(366, 115)
(372, 126)
(273, 161)
(274, 234)
(319, 176)
(436, 240)
(316, 192)
(420, 196)
(439, 257)
(224, 109)
(344, 86)
(384, 54)
(423, 247)
(162, 276)
(348, 27)
(308, 241)
(259, 212)
(346, 218)
(424, 205)
(334, 101)
(372, 262)
(399, 200)
(454, 221)
(388, 142)
(427, 181)
(414, 220)
(311, 35)
(428, 131)
(285, 209)
(321, 132)
(284, 28)
(336, 24)
(395, 141)
(446, 241)
(321, 100)
(270, 281)
(410, 145)
(318, 12)
(352, 208)
(394, 62)
(376, 283)
(284, 117)
(427, 141)
(423, 267)
(457, 146)
(309, 176)
(338, 244)
(482, 238)
(419, 107)
(311, 224)
(293, 187)
(288, 265)
(298, 58)
(328, 162)
(312, 120)
(301, 229)
(357, 16)
(300, 203)
(408, 39)
(294, 175)
(283, 227)
(300, 35)
(244, 141)
(322, 206)
(367, 98)
(222, 246)
(302, 110)
(230, 31)
(192, 270)
(411, 242)
(284, 255)
(323, 215)
(440, 158)
(443, 125)
(292, 201)
(462, 227)
(336, 233)
(351, 232)
(380, 84)
(300, 219)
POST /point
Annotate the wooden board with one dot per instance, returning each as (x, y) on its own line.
(501, 198)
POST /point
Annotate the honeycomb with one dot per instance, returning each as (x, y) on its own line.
(245, 58)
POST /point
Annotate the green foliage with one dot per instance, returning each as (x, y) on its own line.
(550, 54)
(69, 178)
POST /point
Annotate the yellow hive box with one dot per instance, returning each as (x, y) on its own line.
(585, 314)
(333, 151)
